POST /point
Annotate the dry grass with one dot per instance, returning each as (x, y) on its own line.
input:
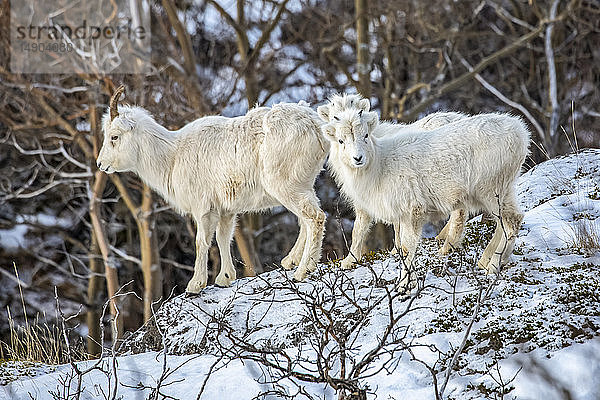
(586, 236)
(37, 341)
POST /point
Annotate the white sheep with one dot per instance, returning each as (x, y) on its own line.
(451, 233)
(416, 176)
(216, 167)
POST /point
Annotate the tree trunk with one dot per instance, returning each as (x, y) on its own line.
(389, 87)
(362, 48)
(150, 257)
(98, 232)
(94, 294)
(245, 244)
(552, 140)
(110, 270)
(94, 290)
(190, 78)
(247, 223)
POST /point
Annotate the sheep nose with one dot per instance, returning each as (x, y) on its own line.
(99, 164)
(358, 159)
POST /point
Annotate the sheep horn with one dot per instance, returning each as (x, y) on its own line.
(114, 113)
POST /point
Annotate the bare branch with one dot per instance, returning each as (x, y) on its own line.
(505, 99)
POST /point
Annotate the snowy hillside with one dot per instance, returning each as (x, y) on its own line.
(531, 333)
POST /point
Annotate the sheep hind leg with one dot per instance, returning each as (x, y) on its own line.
(295, 255)
(397, 239)
(205, 228)
(502, 243)
(314, 218)
(305, 206)
(224, 236)
(509, 227)
(454, 230)
(490, 248)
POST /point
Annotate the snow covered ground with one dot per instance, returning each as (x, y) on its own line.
(535, 335)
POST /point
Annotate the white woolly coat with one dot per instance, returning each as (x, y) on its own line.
(217, 162)
(464, 164)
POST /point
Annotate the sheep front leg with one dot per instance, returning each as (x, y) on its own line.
(204, 232)
(397, 239)
(398, 248)
(410, 235)
(491, 247)
(362, 225)
(443, 235)
(224, 236)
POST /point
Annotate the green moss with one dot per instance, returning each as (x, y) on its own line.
(521, 277)
(479, 234)
(517, 329)
(581, 296)
(13, 370)
(519, 250)
(467, 304)
(492, 392)
(376, 255)
(446, 320)
(564, 270)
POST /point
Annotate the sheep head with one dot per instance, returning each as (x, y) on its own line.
(118, 152)
(349, 133)
(340, 102)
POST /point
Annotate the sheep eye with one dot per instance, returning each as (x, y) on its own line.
(336, 118)
(114, 138)
(341, 141)
(366, 136)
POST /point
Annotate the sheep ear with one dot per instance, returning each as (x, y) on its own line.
(328, 131)
(372, 119)
(364, 104)
(323, 112)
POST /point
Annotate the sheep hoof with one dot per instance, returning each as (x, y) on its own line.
(288, 262)
(483, 264)
(493, 266)
(347, 263)
(406, 285)
(444, 251)
(490, 266)
(195, 288)
(491, 270)
(223, 281)
(300, 274)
